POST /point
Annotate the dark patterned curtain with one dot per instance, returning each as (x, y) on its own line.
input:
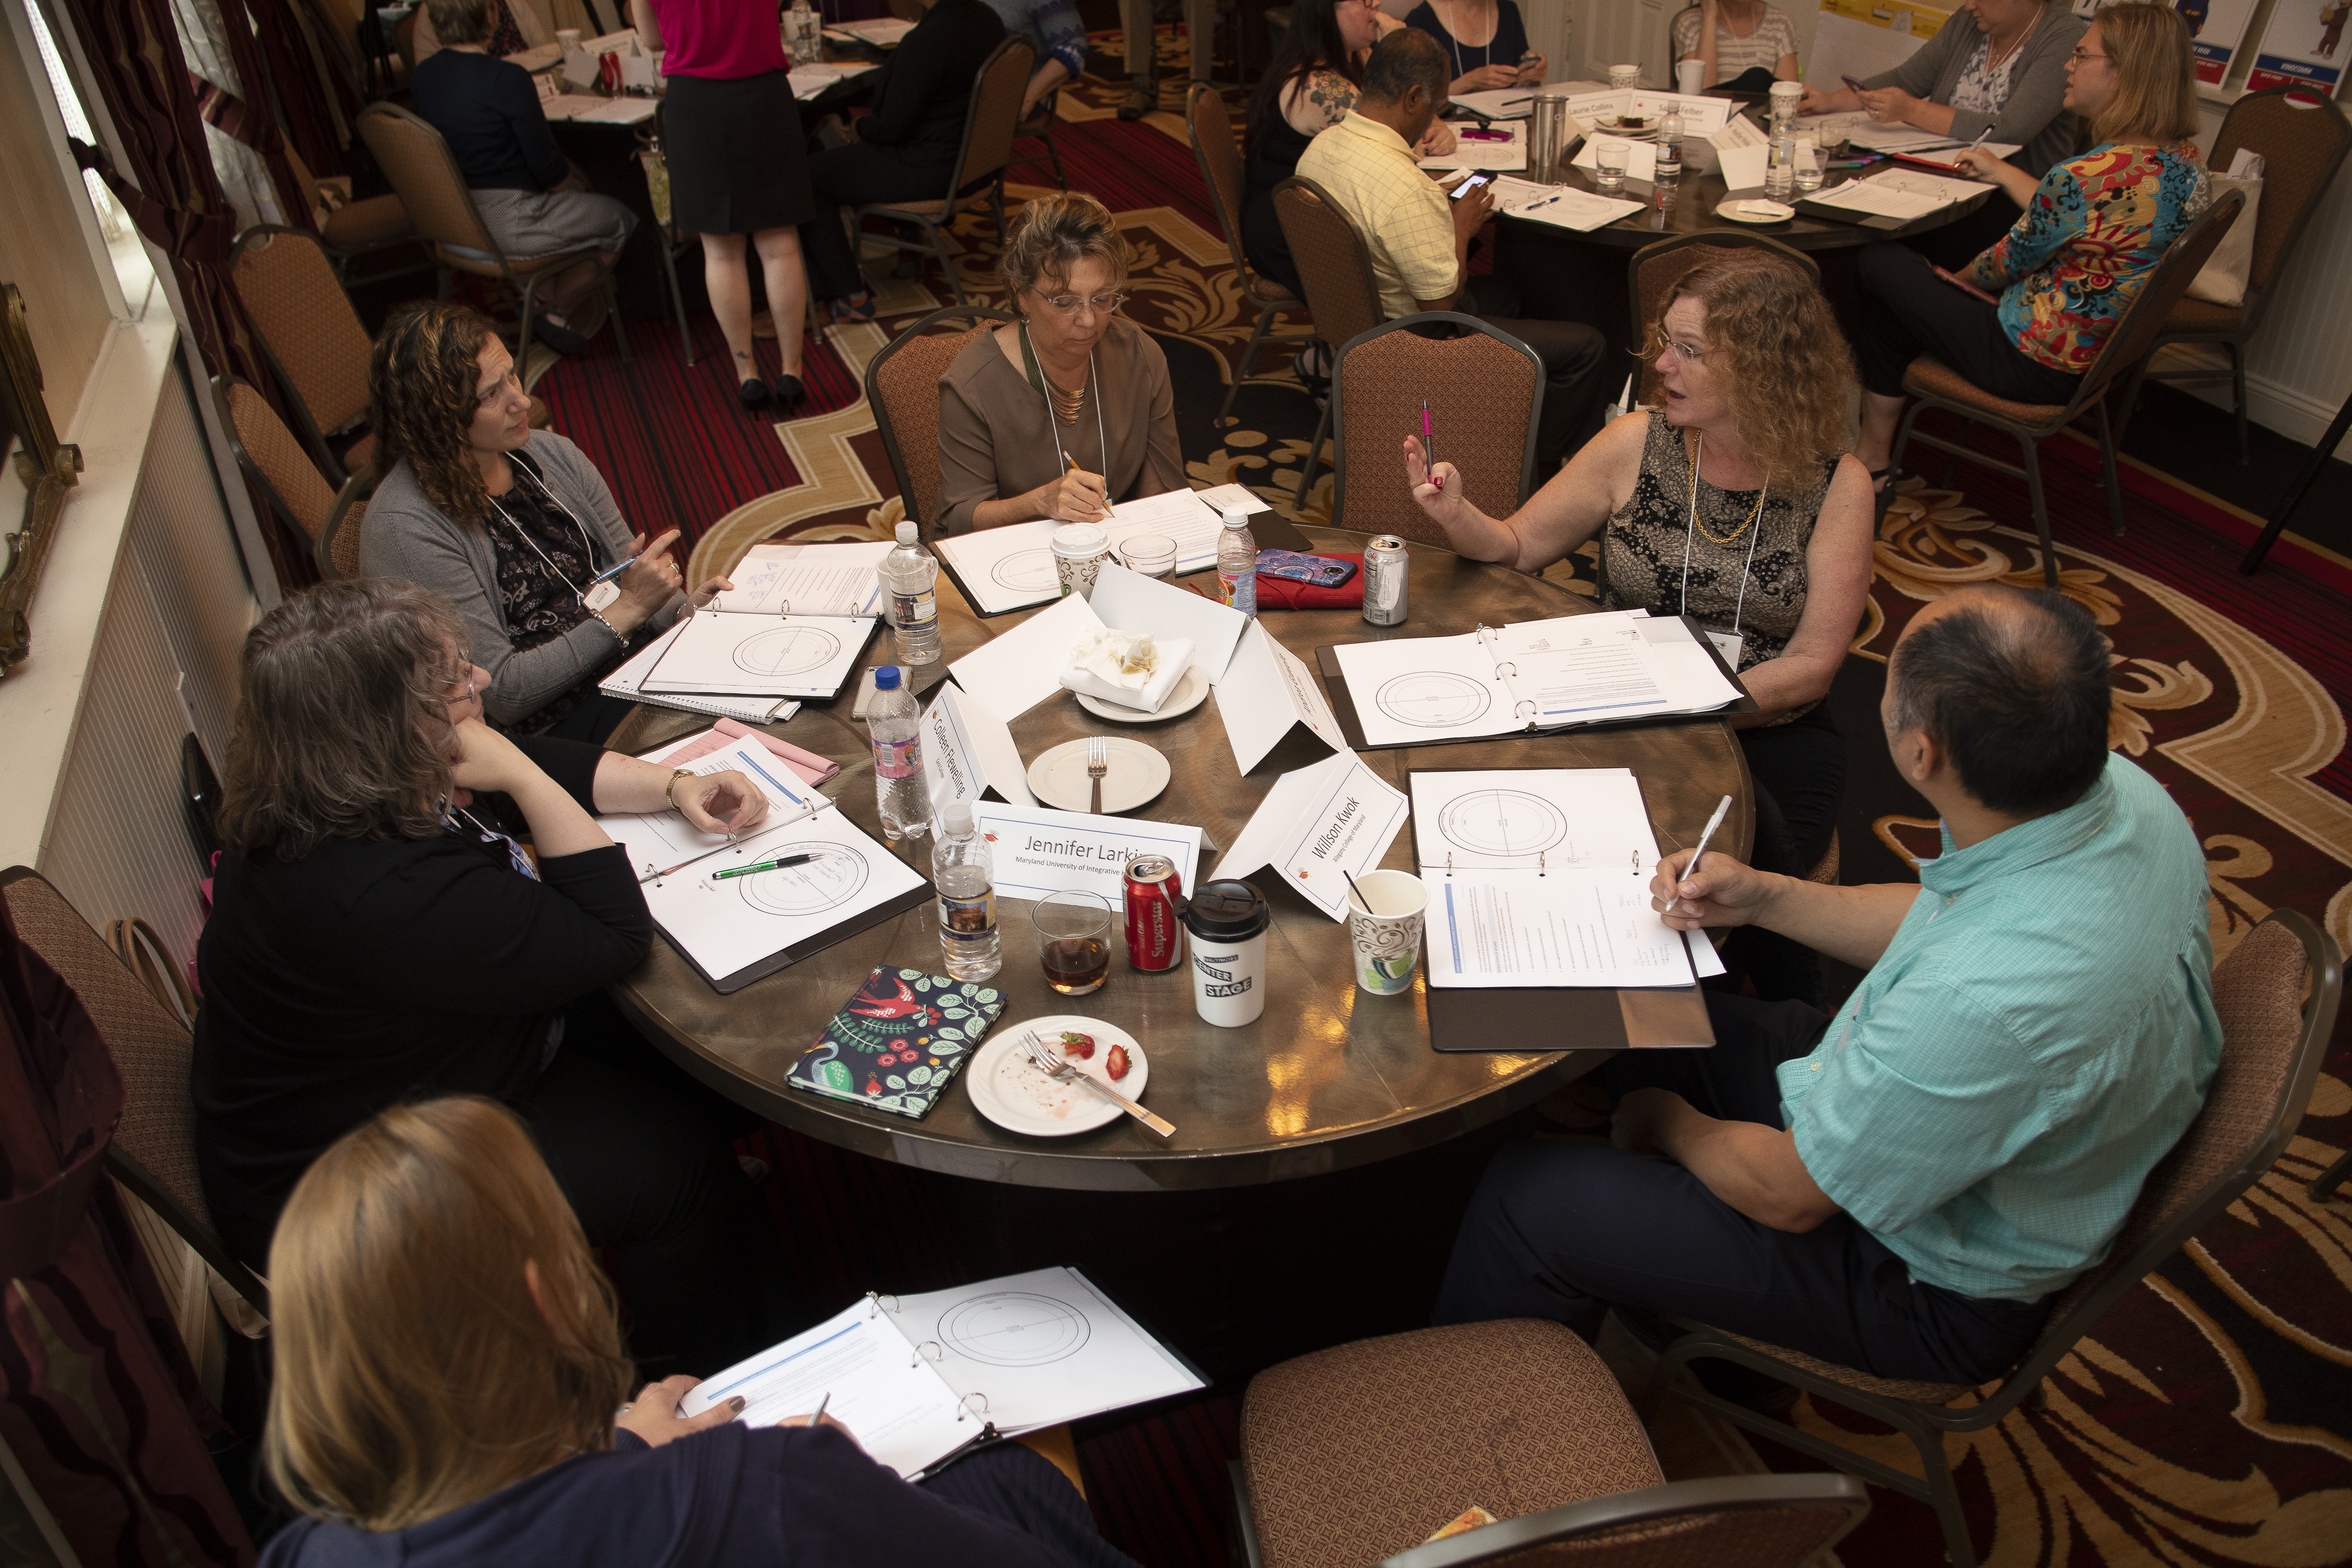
(97, 1400)
(233, 97)
(173, 194)
(297, 87)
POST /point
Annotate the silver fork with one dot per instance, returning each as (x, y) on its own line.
(1098, 765)
(1054, 1065)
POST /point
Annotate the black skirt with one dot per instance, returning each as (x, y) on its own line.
(737, 158)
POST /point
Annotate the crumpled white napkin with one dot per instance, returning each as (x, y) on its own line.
(1130, 668)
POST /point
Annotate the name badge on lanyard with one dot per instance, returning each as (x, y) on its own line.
(1729, 645)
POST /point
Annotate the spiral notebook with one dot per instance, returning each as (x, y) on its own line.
(1529, 677)
(920, 1381)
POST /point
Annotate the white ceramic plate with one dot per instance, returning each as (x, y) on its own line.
(1018, 1098)
(1137, 774)
(1755, 210)
(1192, 690)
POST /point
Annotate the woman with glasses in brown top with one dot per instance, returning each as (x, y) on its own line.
(1734, 503)
(1069, 409)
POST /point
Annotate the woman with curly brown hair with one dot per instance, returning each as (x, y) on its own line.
(1735, 504)
(514, 526)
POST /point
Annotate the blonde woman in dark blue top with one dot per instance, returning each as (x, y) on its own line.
(1484, 40)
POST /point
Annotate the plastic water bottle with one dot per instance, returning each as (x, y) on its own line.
(961, 871)
(909, 572)
(898, 786)
(1781, 171)
(1670, 143)
(1237, 561)
(803, 37)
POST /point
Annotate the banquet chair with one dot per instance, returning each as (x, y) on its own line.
(349, 229)
(154, 1152)
(981, 159)
(338, 549)
(273, 460)
(2301, 140)
(1039, 127)
(1483, 389)
(312, 338)
(2277, 995)
(1651, 276)
(418, 163)
(902, 389)
(1220, 157)
(1934, 384)
(1335, 272)
(1353, 1456)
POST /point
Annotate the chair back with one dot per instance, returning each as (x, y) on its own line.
(1335, 269)
(1651, 277)
(902, 388)
(2143, 320)
(993, 116)
(418, 163)
(313, 337)
(1485, 391)
(1724, 1521)
(338, 546)
(2277, 995)
(273, 457)
(1218, 151)
(2303, 139)
(157, 1135)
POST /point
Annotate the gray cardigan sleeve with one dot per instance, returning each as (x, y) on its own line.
(405, 536)
(2035, 116)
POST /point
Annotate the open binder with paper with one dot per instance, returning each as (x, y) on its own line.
(919, 1380)
(793, 625)
(1000, 570)
(1529, 677)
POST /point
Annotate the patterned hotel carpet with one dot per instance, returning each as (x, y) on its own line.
(2205, 1420)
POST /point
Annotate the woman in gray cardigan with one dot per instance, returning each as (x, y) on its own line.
(514, 526)
(2001, 69)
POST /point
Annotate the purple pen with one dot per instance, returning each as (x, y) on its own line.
(1429, 449)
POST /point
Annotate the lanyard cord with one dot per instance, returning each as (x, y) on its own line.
(1053, 420)
(577, 591)
(1754, 532)
(1486, 50)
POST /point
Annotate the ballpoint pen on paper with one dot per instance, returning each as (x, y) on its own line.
(1545, 203)
(818, 1419)
(1712, 823)
(763, 866)
(1075, 470)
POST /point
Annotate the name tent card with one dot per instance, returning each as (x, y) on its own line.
(968, 753)
(1038, 850)
(1318, 827)
(1266, 692)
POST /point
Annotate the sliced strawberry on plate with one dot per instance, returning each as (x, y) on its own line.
(1116, 1064)
(1076, 1047)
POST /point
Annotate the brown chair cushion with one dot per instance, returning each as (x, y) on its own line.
(357, 225)
(1930, 377)
(289, 288)
(2204, 316)
(359, 456)
(907, 381)
(278, 456)
(1480, 392)
(1356, 1453)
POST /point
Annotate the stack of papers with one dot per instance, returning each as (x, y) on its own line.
(589, 109)
(809, 80)
(1898, 194)
(1583, 211)
(882, 32)
(1012, 567)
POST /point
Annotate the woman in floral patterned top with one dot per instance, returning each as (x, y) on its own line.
(2026, 318)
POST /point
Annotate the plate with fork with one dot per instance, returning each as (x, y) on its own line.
(1132, 774)
(1015, 1094)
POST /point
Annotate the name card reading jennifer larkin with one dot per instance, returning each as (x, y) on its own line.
(1038, 850)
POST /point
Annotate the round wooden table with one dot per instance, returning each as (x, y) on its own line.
(1329, 1078)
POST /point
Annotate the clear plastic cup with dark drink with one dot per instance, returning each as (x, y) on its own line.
(1073, 941)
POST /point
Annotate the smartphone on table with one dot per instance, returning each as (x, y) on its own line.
(1316, 571)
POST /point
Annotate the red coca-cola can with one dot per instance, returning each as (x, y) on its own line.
(1155, 938)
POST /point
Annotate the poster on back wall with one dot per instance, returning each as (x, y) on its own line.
(1862, 38)
(2216, 29)
(2304, 44)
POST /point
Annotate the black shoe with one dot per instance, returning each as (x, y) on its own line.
(561, 339)
(1141, 102)
(789, 391)
(753, 393)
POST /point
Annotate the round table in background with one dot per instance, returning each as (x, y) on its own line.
(1329, 1079)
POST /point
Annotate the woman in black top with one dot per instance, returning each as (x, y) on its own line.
(905, 150)
(1485, 39)
(374, 937)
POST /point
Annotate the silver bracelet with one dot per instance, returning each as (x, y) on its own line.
(618, 636)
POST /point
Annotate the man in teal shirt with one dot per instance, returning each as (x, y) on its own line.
(1901, 1188)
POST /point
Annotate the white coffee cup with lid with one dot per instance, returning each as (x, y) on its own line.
(1624, 77)
(1079, 551)
(1226, 922)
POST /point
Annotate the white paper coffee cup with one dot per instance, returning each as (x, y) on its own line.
(1687, 74)
(1622, 77)
(1387, 942)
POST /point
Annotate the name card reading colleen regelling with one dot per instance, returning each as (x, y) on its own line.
(1037, 850)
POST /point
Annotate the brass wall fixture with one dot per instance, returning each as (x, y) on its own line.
(48, 468)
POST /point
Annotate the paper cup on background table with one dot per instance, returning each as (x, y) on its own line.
(1386, 942)
(567, 39)
(1079, 551)
(1622, 77)
(1687, 74)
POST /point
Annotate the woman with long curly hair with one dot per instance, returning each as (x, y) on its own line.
(512, 525)
(1735, 504)
(377, 934)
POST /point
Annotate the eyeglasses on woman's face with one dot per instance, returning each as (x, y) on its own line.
(2083, 57)
(1101, 304)
(1664, 347)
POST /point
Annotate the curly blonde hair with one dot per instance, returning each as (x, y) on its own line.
(1791, 372)
(1053, 233)
(421, 389)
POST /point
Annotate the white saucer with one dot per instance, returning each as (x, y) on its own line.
(1137, 774)
(1754, 210)
(1018, 1098)
(1192, 690)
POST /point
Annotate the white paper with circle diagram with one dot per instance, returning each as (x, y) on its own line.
(968, 752)
(1012, 567)
(627, 683)
(1014, 671)
(1130, 602)
(761, 656)
(807, 580)
(1036, 850)
(1267, 691)
(1317, 828)
(728, 926)
(665, 842)
(1541, 877)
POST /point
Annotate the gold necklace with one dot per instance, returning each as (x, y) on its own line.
(1066, 405)
(1733, 537)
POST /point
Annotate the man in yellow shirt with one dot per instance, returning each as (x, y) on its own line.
(1420, 239)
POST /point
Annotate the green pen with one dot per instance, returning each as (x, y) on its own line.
(763, 866)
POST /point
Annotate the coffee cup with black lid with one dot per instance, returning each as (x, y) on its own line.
(1228, 920)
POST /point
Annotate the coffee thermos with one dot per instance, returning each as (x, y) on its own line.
(1228, 920)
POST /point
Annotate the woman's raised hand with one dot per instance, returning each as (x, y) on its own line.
(1076, 497)
(646, 583)
(1437, 490)
(1486, 78)
(721, 803)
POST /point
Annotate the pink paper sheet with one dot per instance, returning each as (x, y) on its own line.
(812, 768)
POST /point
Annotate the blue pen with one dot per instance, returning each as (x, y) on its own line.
(610, 573)
(1545, 203)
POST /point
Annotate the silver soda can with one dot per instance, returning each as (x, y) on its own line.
(1385, 568)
